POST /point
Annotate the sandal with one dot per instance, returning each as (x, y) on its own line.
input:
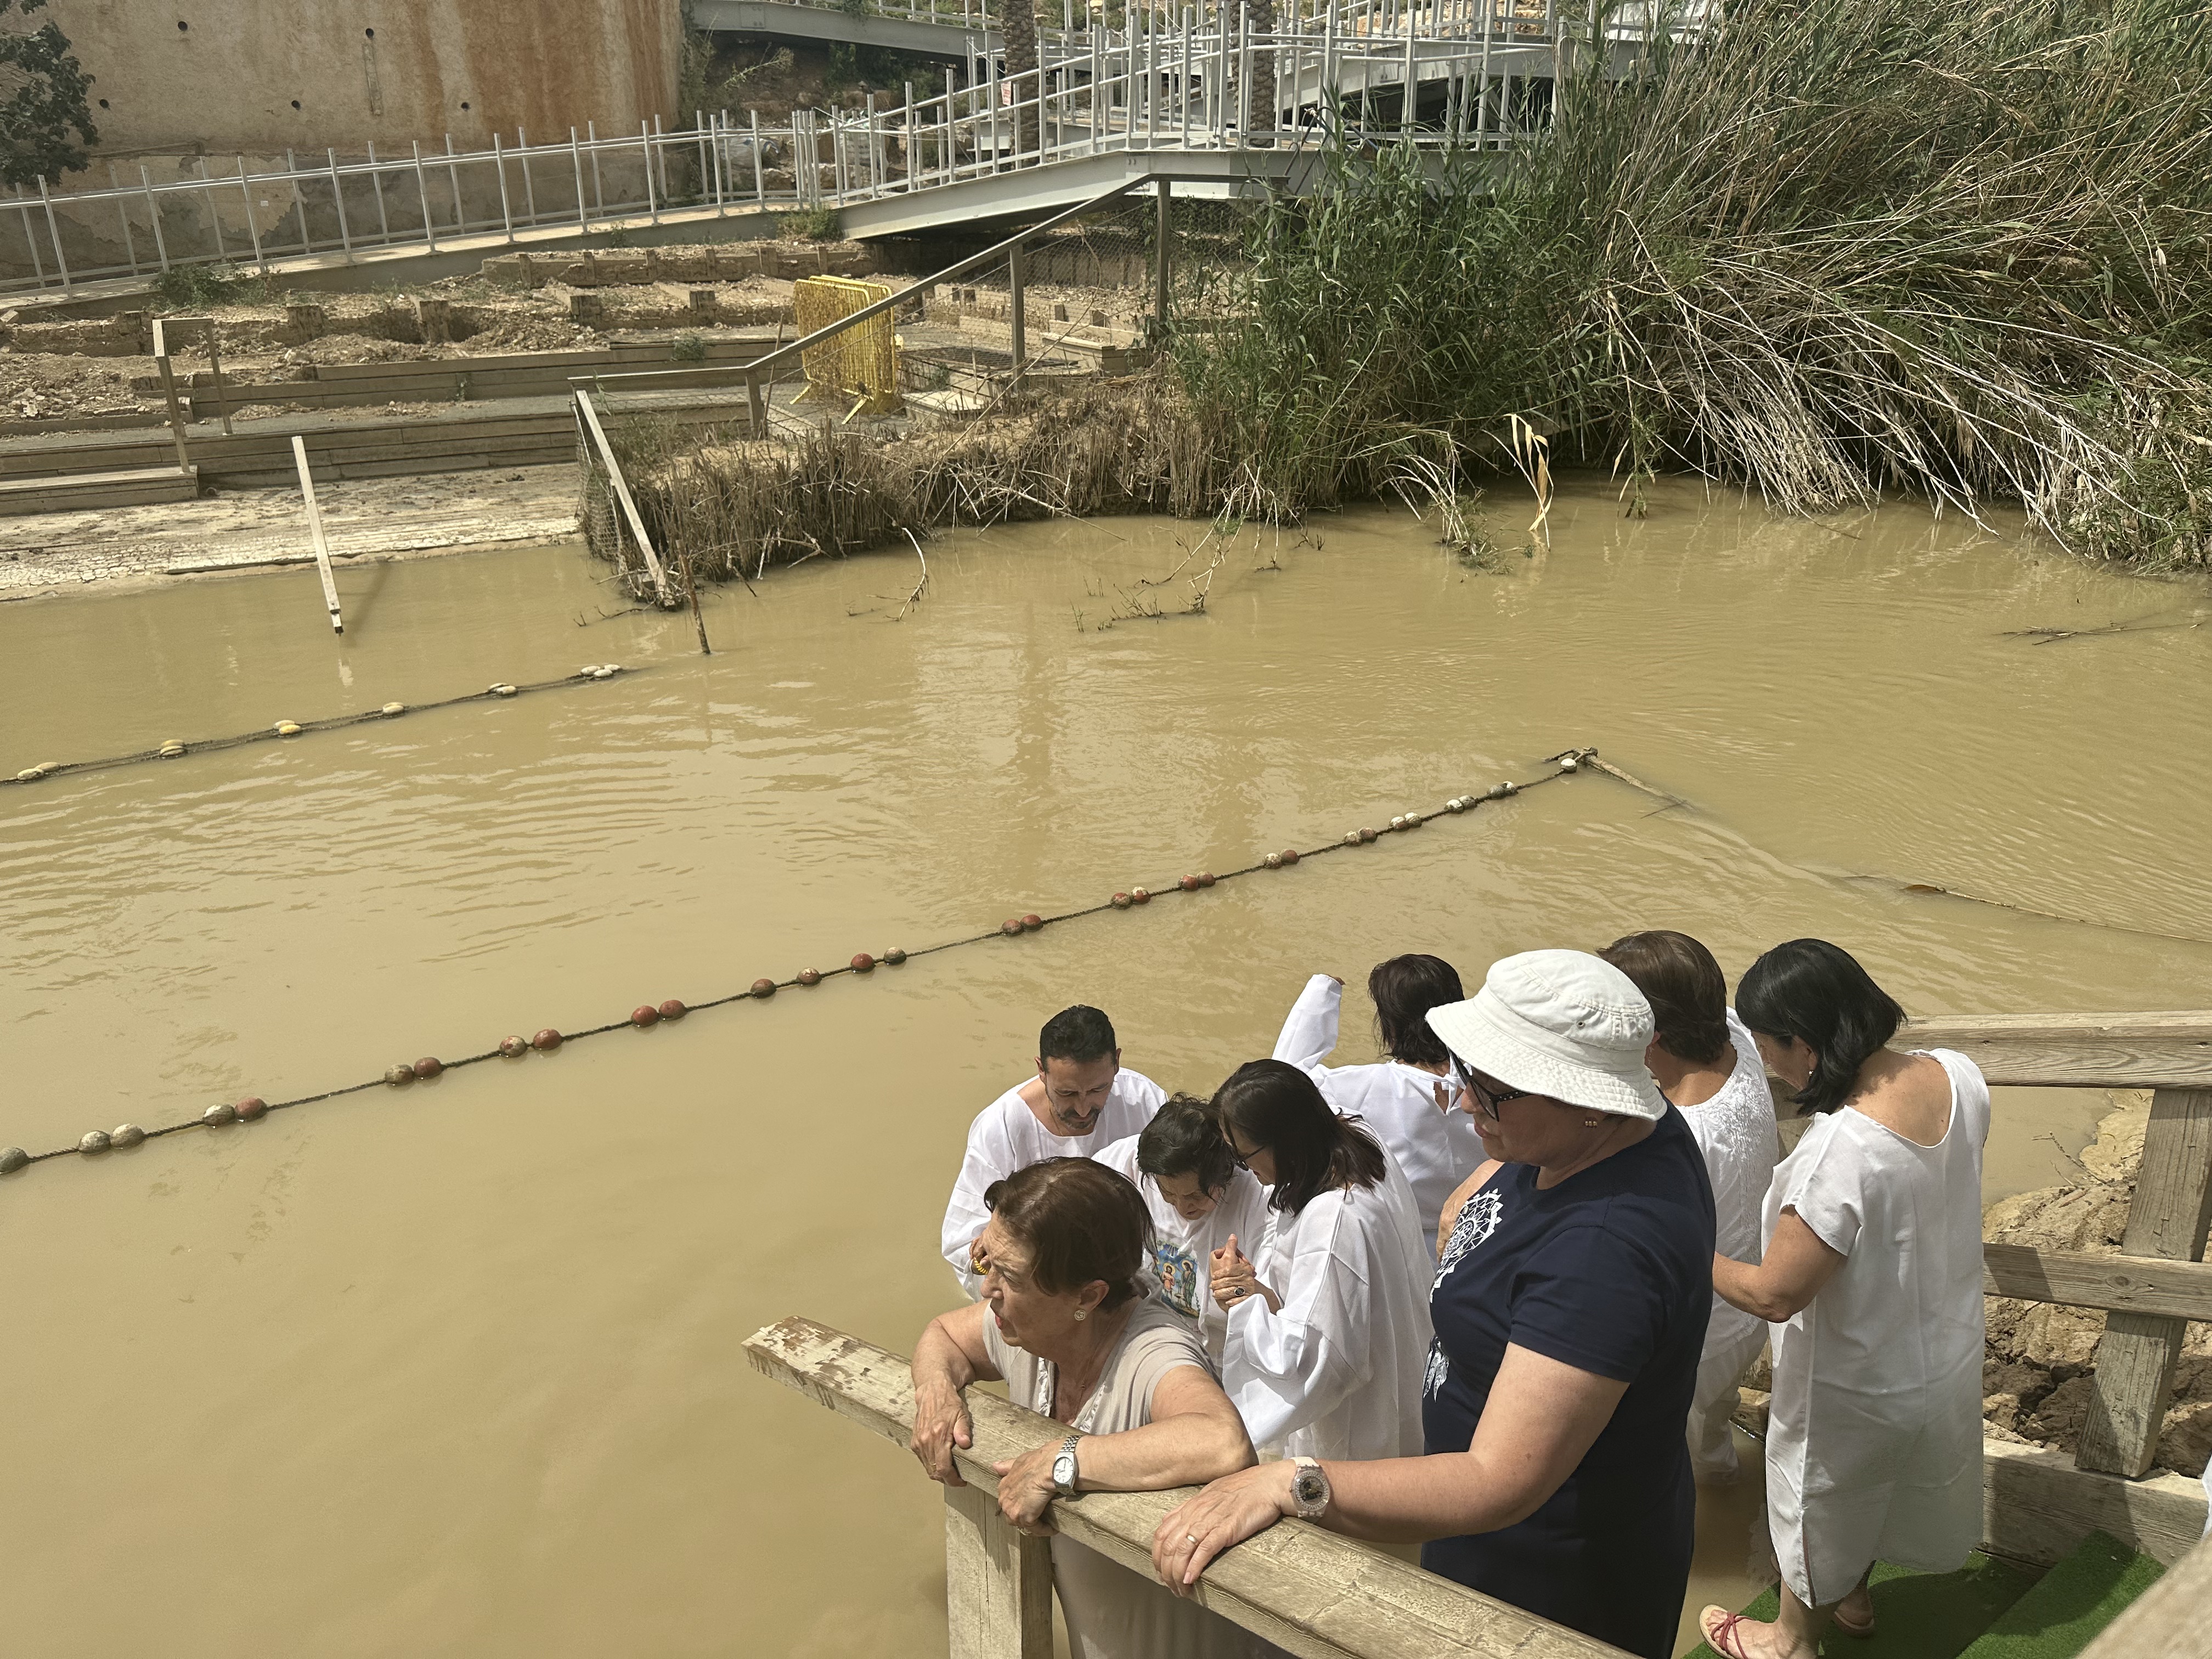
(1857, 1630)
(1721, 1638)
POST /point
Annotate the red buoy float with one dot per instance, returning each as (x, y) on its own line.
(1274, 860)
(1122, 901)
(1011, 927)
(864, 963)
(1032, 922)
(1189, 884)
(809, 977)
(672, 1009)
(251, 1107)
(1206, 878)
(643, 1015)
(763, 988)
(895, 956)
(513, 1047)
(1139, 896)
(1289, 855)
(429, 1066)
(546, 1041)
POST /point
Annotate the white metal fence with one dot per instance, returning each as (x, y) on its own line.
(1478, 73)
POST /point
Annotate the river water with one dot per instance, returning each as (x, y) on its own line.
(458, 1369)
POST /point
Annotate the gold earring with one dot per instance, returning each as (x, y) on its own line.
(1082, 1313)
(1592, 1122)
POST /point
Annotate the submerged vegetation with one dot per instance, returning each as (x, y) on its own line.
(1930, 247)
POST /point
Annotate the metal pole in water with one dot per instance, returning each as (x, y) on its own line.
(315, 530)
(1014, 309)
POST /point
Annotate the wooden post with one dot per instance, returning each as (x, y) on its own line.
(997, 1583)
(214, 365)
(622, 492)
(315, 530)
(756, 404)
(176, 409)
(2167, 1219)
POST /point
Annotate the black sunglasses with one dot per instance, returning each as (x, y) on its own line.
(1486, 1100)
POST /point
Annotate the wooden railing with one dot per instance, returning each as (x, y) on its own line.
(1306, 1591)
(1316, 1594)
(2159, 1279)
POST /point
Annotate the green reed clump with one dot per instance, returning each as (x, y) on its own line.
(1933, 245)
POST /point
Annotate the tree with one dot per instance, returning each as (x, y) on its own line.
(42, 101)
(1018, 22)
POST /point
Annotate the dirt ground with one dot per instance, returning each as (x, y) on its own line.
(2036, 1380)
(56, 553)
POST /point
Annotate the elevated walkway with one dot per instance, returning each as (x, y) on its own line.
(917, 30)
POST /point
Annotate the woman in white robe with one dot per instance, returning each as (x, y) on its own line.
(1198, 1199)
(1704, 1062)
(1873, 1279)
(1408, 1101)
(1328, 1314)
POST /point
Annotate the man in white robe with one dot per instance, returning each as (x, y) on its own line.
(1080, 1102)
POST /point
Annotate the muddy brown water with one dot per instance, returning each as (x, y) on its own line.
(460, 1370)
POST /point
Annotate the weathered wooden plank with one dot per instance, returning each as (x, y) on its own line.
(80, 492)
(2078, 1051)
(1307, 1590)
(2037, 1506)
(997, 1583)
(2136, 1356)
(2169, 1620)
(2127, 1283)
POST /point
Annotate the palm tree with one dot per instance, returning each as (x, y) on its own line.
(1017, 25)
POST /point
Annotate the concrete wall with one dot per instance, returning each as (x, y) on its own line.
(266, 75)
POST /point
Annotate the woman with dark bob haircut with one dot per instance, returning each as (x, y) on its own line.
(1405, 1100)
(1328, 1318)
(1198, 1199)
(1872, 1279)
(1065, 1320)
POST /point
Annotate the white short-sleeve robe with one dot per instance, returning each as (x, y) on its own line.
(1874, 1445)
(1182, 1251)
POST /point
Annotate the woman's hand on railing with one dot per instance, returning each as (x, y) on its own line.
(1025, 1488)
(1225, 1514)
(940, 1423)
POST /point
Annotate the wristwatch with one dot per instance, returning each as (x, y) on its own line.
(1309, 1489)
(1063, 1468)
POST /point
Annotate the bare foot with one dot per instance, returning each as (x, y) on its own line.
(1853, 1615)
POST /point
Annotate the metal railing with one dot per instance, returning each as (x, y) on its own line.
(1168, 80)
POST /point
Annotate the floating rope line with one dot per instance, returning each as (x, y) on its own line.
(253, 1108)
(177, 746)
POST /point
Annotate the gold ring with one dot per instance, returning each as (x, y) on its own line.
(1190, 1537)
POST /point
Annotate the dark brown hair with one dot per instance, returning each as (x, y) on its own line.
(1079, 1222)
(1405, 989)
(1818, 994)
(1281, 1109)
(1687, 992)
(1183, 1139)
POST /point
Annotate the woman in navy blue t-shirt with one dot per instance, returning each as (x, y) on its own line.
(1570, 1309)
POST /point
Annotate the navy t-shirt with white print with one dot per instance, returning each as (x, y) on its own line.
(1609, 1272)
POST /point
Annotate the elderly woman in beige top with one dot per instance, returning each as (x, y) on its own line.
(1066, 1320)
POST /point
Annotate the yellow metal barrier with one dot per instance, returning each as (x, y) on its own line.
(862, 361)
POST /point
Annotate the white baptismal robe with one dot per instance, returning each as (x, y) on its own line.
(1182, 1251)
(1435, 1144)
(1736, 1135)
(1007, 1136)
(1337, 1372)
(1874, 1447)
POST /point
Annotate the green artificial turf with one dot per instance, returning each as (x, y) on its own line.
(2074, 1600)
(1921, 1615)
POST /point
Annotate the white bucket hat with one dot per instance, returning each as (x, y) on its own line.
(1561, 1023)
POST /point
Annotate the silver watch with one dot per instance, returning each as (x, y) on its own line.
(1063, 1468)
(1309, 1489)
